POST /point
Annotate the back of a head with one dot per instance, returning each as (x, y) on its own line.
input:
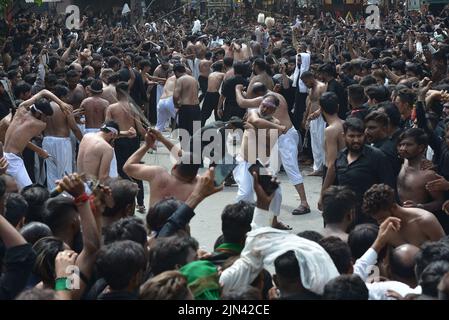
(180, 68)
(329, 103)
(379, 197)
(121, 89)
(15, 208)
(240, 68)
(287, 267)
(46, 251)
(339, 252)
(159, 213)
(357, 93)
(60, 213)
(311, 235)
(392, 112)
(337, 201)
(43, 105)
(36, 196)
(402, 261)
(119, 262)
(346, 287)
(168, 253)
(236, 221)
(367, 81)
(377, 92)
(124, 193)
(260, 64)
(34, 231)
(129, 228)
(361, 238)
(188, 170)
(379, 117)
(228, 62)
(431, 277)
(430, 252)
(169, 285)
(37, 294)
(259, 89)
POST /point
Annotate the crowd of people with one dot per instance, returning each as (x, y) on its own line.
(367, 109)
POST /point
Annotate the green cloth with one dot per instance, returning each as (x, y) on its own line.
(202, 278)
(228, 246)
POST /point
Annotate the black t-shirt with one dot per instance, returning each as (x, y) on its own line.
(137, 92)
(231, 107)
(337, 88)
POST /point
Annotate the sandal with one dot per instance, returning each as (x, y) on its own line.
(316, 174)
(282, 226)
(300, 211)
(141, 209)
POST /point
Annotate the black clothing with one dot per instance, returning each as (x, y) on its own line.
(231, 108)
(335, 86)
(210, 104)
(187, 114)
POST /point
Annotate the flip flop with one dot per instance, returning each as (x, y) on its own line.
(300, 211)
(282, 226)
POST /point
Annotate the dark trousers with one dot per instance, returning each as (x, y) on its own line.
(300, 108)
(203, 86)
(124, 148)
(210, 104)
(187, 114)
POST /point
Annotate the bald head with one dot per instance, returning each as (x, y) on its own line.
(402, 261)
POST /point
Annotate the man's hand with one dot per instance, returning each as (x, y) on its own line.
(72, 184)
(43, 154)
(445, 207)
(3, 165)
(439, 184)
(204, 188)
(103, 198)
(390, 226)
(427, 165)
(150, 139)
(424, 87)
(131, 133)
(239, 87)
(64, 259)
(157, 134)
(314, 115)
(263, 199)
(220, 112)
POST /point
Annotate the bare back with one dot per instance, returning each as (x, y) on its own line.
(315, 94)
(334, 136)
(121, 113)
(95, 111)
(109, 94)
(189, 90)
(169, 87)
(76, 96)
(164, 186)
(94, 156)
(204, 67)
(214, 81)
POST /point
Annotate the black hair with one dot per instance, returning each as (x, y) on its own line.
(240, 68)
(111, 124)
(159, 213)
(337, 202)
(2, 187)
(46, 251)
(392, 112)
(367, 81)
(378, 117)
(377, 92)
(260, 64)
(307, 75)
(21, 87)
(112, 61)
(417, 134)
(311, 235)
(377, 198)
(399, 266)
(236, 221)
(179, 68)
(346, 287)
(218, 66)
(430, 252)
(259, 88)
(44, 106)
(406, 95)
(60, 213)
(228, 62)
(60, 91)
(399, 65)
(431, 277)
(339, 252)
(34, 231)
(361, 238)
(129, 228)
(286, 266)
(16, 207)
(119, 262)
(71, 74)
(36, 196)
(328, 68)
(356, 93)
(124, 193)
(329, 102)
(353, 124)
(169, 252)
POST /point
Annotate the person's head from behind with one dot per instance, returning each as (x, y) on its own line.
(376, 126)
(412, 143)
(404, 101)
(311, 235)
(240, 68)
(401, 264)
(338, 205)
(431, 277)
(36, 196)
(259, 66)
(339, 252)
(430, 252)
(377, 94)
(354, 134)
(379, 202)
(41, 109)
(186, 170)
(122, 90)
(34, 231)
(124, 193)
(46, 251)
(110, 130)
(179, 70)
(159, 213)
(287, 275)
(37, 294)
(218, 66)
(236, 221)
(168, 285)
(259, 89)
(15, 210)
(361, 238)
(356, 95)
(268, 105)
(394, 116)
(309, 79)
(63, 218)
(172, 253)
(329, 103)
(122, 264)
(129, 228)
(346, 287)
(327, 71)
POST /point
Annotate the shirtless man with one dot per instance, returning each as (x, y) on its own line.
(334, 140)
(28, 122)
(212, 95)
(317, 125)
(76, 94)
(57, 140)
(122, 114)
(165, 107)
(417, 225)
(96, 153)
(287, 142)
(185, 97)
(94, 107)
(110, 79)
(204, 69)
(412, 180)
(260, 75)
(257, 144)
(160, 75)
(192, 60)
(179, 183)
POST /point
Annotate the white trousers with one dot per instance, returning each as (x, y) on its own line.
(61, 149)
(245, 184)
(159, 92)
(317, 127)
(287, 145)
(16, 169)
(165, 111)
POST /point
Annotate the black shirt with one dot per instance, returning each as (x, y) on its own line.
(388, 147)
(231, 108)
(335, 87)
(372, 167)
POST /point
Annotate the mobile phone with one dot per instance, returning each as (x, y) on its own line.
(222, 171)
(265, 179)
